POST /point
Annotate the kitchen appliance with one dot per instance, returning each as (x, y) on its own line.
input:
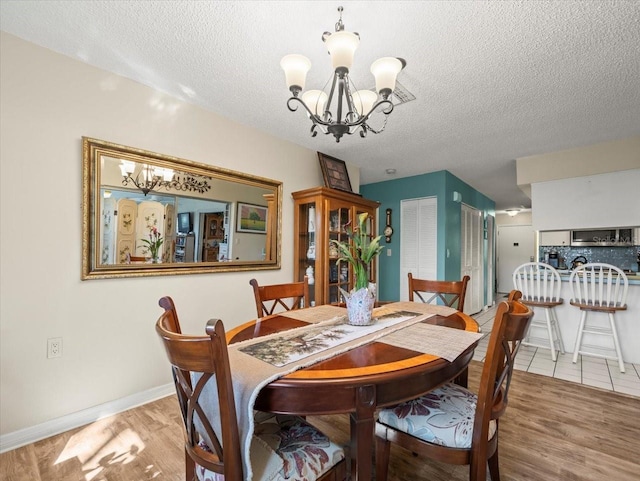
(578, 261)
(553, 258)
(602, 237)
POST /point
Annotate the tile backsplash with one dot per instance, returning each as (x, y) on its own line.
(622, 257)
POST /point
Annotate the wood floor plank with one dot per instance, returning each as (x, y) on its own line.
(553, 430)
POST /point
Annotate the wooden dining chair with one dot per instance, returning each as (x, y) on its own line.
(134, 259)
(451, 424)
(283, 446)
(451, 293)
(284, 296)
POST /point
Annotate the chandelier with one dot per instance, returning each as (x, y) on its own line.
(351, 108)
(149, 177)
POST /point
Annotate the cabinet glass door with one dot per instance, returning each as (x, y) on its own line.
(307, 239)
(339, 272)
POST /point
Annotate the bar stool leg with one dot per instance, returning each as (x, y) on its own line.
(556, 326)
(576, 349)
(616, 343)
(550, 333)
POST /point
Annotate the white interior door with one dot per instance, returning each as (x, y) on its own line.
(515, 247)
(418, 241)
(491, 260)
(108, 238)
(471, 257)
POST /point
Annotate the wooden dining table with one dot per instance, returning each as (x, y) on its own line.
(359, 381)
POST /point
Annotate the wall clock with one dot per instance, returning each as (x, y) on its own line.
(388, 230)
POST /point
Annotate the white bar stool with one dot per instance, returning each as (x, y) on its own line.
(540, 286)
(598, 287)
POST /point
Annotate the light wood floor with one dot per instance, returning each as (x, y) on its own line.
(554, 430)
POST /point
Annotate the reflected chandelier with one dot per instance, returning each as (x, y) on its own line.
(352, 110)
(149, 177)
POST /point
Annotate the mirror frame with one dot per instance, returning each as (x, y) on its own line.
(94, 149)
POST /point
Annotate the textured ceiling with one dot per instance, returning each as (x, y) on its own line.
(493, 81)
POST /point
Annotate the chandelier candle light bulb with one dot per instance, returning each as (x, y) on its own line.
(342, 47)
(352, 111)
(316, 100)
(295, 68)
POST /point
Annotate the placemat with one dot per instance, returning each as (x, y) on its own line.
(445, 342)
(316, 314)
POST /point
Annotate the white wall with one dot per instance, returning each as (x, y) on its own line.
(611, 156)
(593, 201)
(110, 349)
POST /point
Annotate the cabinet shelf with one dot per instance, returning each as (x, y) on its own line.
(320, 214)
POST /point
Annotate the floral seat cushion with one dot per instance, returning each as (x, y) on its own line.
(286, 448)
(444, 416)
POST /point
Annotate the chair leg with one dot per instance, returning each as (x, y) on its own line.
(382, 458)
(190, 467)
(552, 342)
(556, 326)
(576, 349)
(494, 468)
(616, 342)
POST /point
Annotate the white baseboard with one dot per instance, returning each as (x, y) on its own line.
(59, 425)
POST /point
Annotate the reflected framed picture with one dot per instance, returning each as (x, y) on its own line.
(251, 218)
(335, 173)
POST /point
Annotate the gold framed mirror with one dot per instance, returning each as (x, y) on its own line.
(149, 214)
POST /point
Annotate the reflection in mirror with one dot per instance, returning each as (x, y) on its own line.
(150, 214)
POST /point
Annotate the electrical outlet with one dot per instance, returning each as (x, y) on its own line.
(54, 347)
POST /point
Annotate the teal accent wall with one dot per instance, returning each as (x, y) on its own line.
(442, 185)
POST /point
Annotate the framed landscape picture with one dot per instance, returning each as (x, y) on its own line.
(251, 218)
(335, 173)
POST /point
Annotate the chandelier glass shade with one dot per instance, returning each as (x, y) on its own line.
(148, 177)
(344, 110)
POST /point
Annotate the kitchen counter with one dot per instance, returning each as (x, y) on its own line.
(627, 322)
(634, 277)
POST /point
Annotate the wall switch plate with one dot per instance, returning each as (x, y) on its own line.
(388, 252)
(54, 347)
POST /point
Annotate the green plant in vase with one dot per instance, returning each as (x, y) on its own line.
(359, 250)
(153, 243)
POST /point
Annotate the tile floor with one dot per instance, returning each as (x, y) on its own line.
(590, 371)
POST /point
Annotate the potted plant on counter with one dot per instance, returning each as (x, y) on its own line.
(359, 250)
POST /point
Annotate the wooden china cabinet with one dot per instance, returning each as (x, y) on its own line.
(321, 214)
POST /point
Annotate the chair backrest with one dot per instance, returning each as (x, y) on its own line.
(449, 292)
(509, 329)
(538, 282)
(207, 358)
(599, 285)
(129, 258)
(288, 296)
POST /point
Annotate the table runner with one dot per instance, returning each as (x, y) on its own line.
(295, 345)
(250, 374)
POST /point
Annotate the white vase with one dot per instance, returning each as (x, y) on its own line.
(360, 304)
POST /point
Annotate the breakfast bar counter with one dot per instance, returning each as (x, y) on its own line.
(627, 322)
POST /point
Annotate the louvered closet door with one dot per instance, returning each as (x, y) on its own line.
(471, 258)
(418, 245)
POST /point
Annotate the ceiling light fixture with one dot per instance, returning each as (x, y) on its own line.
(358, 106)
(512, 212)
(148, 177)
